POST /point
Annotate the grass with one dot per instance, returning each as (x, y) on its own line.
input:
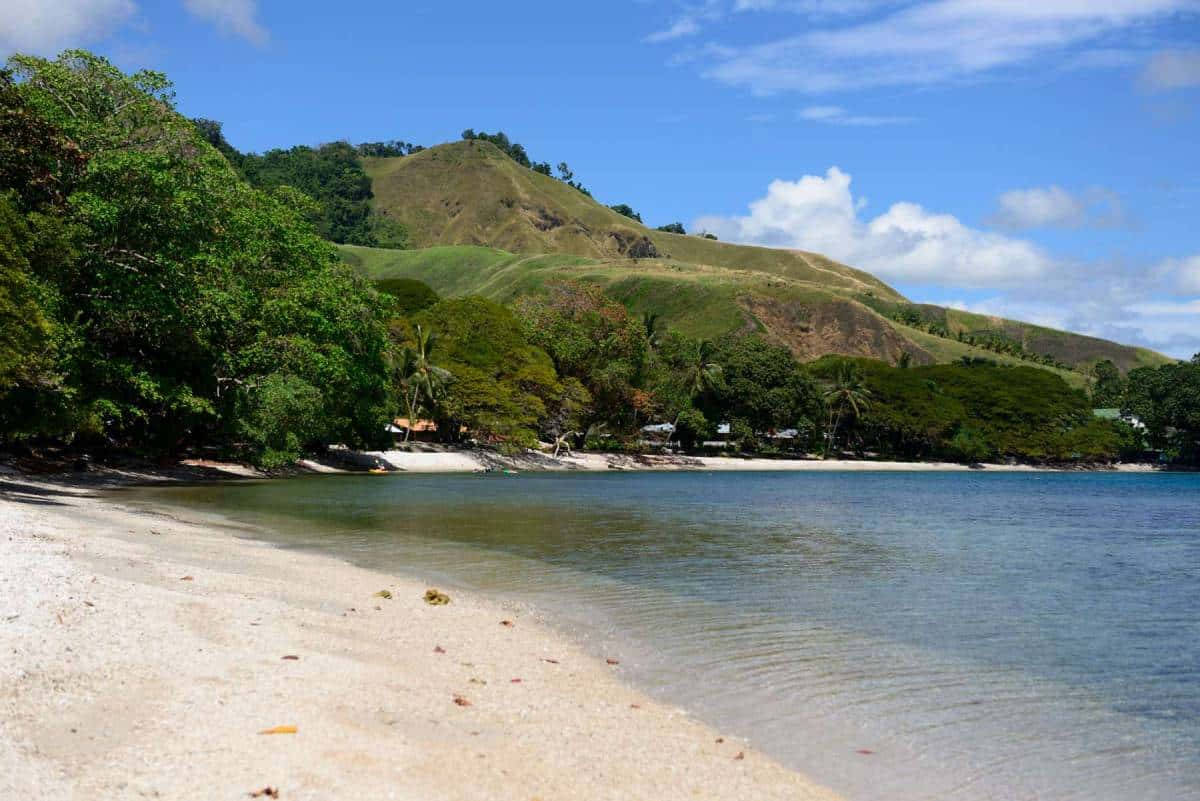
(698, 300)
(470, 193)
(471, 209)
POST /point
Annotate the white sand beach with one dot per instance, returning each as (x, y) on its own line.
(426, 458)
(145, 653)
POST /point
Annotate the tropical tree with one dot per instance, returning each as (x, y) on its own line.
(420, 380)
(846, 395)
(180, 305)
(1108, 387)
(702, 374)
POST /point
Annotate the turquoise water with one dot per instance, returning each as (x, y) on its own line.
(984, 636)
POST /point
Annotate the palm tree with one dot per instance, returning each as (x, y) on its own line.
(845, 395)
(701, 375)
(420, 379)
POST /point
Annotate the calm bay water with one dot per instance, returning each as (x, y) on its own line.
(984, 636)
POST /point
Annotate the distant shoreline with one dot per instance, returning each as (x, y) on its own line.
(431, 459)
(439, 459)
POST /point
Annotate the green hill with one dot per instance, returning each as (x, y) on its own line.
(470, 208)
(701, 301)
(471, 193)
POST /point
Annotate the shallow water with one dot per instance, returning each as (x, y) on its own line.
(983, 636)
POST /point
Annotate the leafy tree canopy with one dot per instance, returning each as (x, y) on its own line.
(187, 306)
(626, 210)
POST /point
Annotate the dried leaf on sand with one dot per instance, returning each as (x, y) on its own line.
(434, 597)
(279, 730)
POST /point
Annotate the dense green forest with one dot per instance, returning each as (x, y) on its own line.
(162, 293)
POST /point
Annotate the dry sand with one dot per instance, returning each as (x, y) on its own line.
(141, 654)
(438, 459)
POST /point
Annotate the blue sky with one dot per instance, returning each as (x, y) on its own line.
(1034, 160)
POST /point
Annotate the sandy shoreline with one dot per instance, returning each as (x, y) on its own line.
(143, 654)
(436, 459)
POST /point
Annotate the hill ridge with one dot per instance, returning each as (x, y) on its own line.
(471, 194)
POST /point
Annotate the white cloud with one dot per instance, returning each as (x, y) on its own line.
(679, 29)
(234, 16)
(1172, 69)
(1169, 326)
(1055, 207)
(906, 243)
(935, 41)
(1155, 306)
(44, 28)
(1182, 274)
(836, 115)
(815, 8)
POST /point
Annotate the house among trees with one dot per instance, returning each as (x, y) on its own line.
(420, 431)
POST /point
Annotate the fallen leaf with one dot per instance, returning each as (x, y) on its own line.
(474, 680)
(279, 730)
(865, 751)
(551, 661)
(458, 699)
(266, 792)
(437, 649)
(88, 603)
(635, 706)
(515, 681)
(291, 657)
(720, 740)
(740, 755)
(186, 578)
(435, 598)
(506, 623)
(383, 594)
(613, 661)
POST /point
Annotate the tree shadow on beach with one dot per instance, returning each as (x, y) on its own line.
(36, 494)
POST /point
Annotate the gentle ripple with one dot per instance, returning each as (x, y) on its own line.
(985, 636)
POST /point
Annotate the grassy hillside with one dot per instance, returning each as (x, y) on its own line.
(471, 194)
(701, 301)
(1072, 349)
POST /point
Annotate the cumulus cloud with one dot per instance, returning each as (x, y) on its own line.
(906, 243)
(936, 41)
(929, 253)
(1055, 207)
(43, 28)
(1172, 69)
(233, 16)
(836, 115)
